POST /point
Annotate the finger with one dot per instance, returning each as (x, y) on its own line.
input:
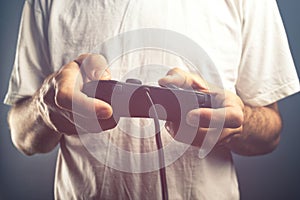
(209, 134)
(95, 67)
(89, 107)
(74, 125)
(227, 135)
(195, 140)
(230, 117)
(63, 125)
(81, 104)
(174, 76)
(183, 79)
(68, 95)
(93, 125)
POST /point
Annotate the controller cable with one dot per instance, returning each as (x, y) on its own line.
(161, 157)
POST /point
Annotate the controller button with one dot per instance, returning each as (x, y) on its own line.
(134, 81)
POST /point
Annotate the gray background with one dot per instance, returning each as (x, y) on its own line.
(274, 176)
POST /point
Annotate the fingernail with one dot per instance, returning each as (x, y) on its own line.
(106, 76)
(165, 80)
(167, 126)
(169, 78)
(192, 120)
(104, 113)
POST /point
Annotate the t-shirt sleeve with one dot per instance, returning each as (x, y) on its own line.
(267, 72)
(31, 64)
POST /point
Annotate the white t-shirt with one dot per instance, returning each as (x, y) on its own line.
(242, 47)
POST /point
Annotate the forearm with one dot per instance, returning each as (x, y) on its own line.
(260, 133)
(29, 132)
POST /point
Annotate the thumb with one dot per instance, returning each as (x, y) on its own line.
(174, 76)
(95, 67)
(184, 80)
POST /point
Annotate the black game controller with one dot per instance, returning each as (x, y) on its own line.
(130, 99)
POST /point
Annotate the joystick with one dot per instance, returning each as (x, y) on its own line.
(130, 99)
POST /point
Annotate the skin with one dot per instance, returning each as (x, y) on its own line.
(38, 122)
(246, 131)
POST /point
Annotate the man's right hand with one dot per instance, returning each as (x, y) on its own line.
(65, 108)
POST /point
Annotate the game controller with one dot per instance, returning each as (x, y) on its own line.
(130, 99)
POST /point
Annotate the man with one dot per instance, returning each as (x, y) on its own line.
(245, 40)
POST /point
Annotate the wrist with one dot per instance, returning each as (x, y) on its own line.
(40, 100)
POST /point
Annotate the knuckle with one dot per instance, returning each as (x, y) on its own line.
(100, 57)
(82, 56)
(237, 118)
(174, 70)
(177, 69)
(62, 97)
